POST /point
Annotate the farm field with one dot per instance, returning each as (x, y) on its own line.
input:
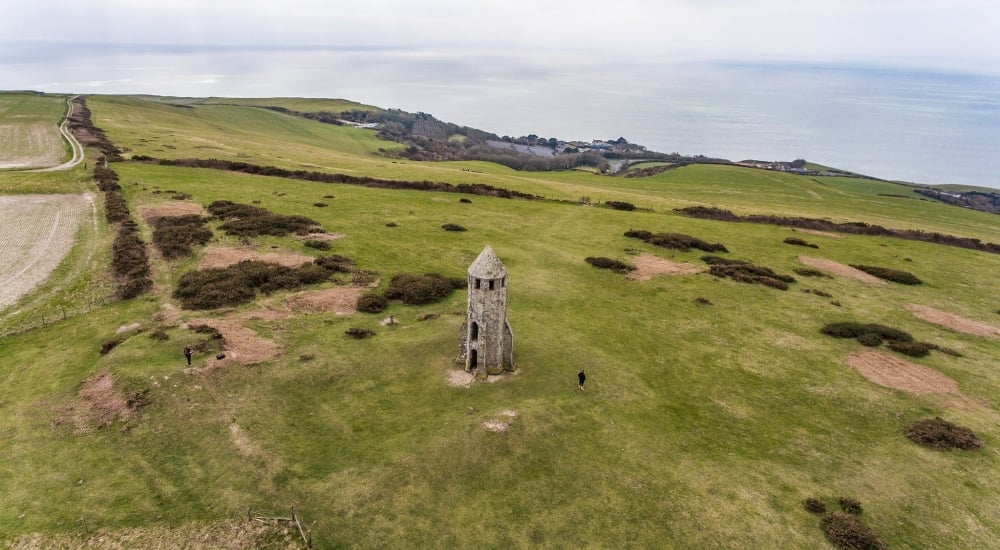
(29, 130)
(36, 233)
(713, 408)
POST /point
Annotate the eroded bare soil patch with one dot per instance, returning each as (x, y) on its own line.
(819, 233)
(459, 378)
(892, 372)
(98, 404)
(342, 300)
(952, 321)
(221, 256)
(647, 266)
(838, 268)
(243, 345)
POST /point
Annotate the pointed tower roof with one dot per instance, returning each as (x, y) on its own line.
(487, 265)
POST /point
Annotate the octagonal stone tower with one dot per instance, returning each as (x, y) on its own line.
(486, 341)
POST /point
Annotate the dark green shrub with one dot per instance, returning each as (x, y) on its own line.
(251, 221)
(941, 435)
(913, 349)
(702, 301)
(817, 292)
(944, 350)
(363, 277)
(847, 532)
(746, 272)
(814, 505)
(465, 200)
(359, 333)
(799, 242)
(853, 330)
(850, 505)
(893, 275)
(175, 236)
(335, 263)
(809, 272)
(675, 241)
(318, 245)
(620, 205)
(372, 302)
(320, 204)
(392, 224)
(453, 227)
(238, 283)
(608, 263)
(106, 347)
(416, 289)
(130, 262)
(870, 339)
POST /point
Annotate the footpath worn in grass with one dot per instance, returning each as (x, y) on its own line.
(702, 426)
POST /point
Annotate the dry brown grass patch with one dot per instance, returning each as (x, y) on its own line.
(838, 268)
(170, 210)
(99, 403)
(647, 266)
(231, 535)
(221, 256)
(243, 345)
(952, 321)
(321, 236)
(496, 426)
(819, 233)
(342, 300)
(892, 372)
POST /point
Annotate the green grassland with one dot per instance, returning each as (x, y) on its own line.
(702, 426)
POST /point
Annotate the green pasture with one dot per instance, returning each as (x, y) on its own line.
(29, 129)
(702, 426)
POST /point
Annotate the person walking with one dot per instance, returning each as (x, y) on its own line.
(187, 354)
(582, 376)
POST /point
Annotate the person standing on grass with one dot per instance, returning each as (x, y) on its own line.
(582, 377)
(187, 354)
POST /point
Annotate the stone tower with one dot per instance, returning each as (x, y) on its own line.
(486, 342)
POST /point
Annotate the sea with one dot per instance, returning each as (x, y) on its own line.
(893, 122)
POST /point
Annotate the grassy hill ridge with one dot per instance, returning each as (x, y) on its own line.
(703, 425)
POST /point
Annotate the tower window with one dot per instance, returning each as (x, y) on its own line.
(503, 282)
(475, 332)
(478, 282)
(491, 284)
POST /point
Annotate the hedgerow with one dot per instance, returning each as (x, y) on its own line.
(620, 205)
(609, 263)
(130, 262)
(939, 434)
(675, 241)
(417, 289)
(893, 275)
(854, 228)
(746, 272)
(174, 236)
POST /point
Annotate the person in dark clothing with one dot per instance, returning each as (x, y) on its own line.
(187, 354)
(583, 378)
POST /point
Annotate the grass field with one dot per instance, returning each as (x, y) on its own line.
(702, 426)
(29, 130)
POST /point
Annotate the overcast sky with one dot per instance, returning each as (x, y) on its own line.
(959, 35)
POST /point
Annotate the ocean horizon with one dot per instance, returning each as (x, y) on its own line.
(897, 123)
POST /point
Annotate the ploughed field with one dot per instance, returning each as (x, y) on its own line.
(715, 403)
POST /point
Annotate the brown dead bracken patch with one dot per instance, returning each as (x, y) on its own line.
(648, 265)
(952, 321)
(98, 404)
(893, 372)
(221, 256)
(342, 300)
(838, 268)
(170, 210)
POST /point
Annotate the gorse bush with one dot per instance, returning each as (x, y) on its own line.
(799, 242)
(809, 272)
(239, 283)
(453, 227)
(130, 262)
(675, 241)
(318, 245)
(847, 532)
(417, 289)
(814, 506)
(372, 302)
(250, 221)
(913, 349)
(359, 333)
(174, 236)
(608, 263)
(850, 505)
(746, 272)
(870, 339)
(893, 275)
(854, 330)
(620, 205)
(939, 434)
